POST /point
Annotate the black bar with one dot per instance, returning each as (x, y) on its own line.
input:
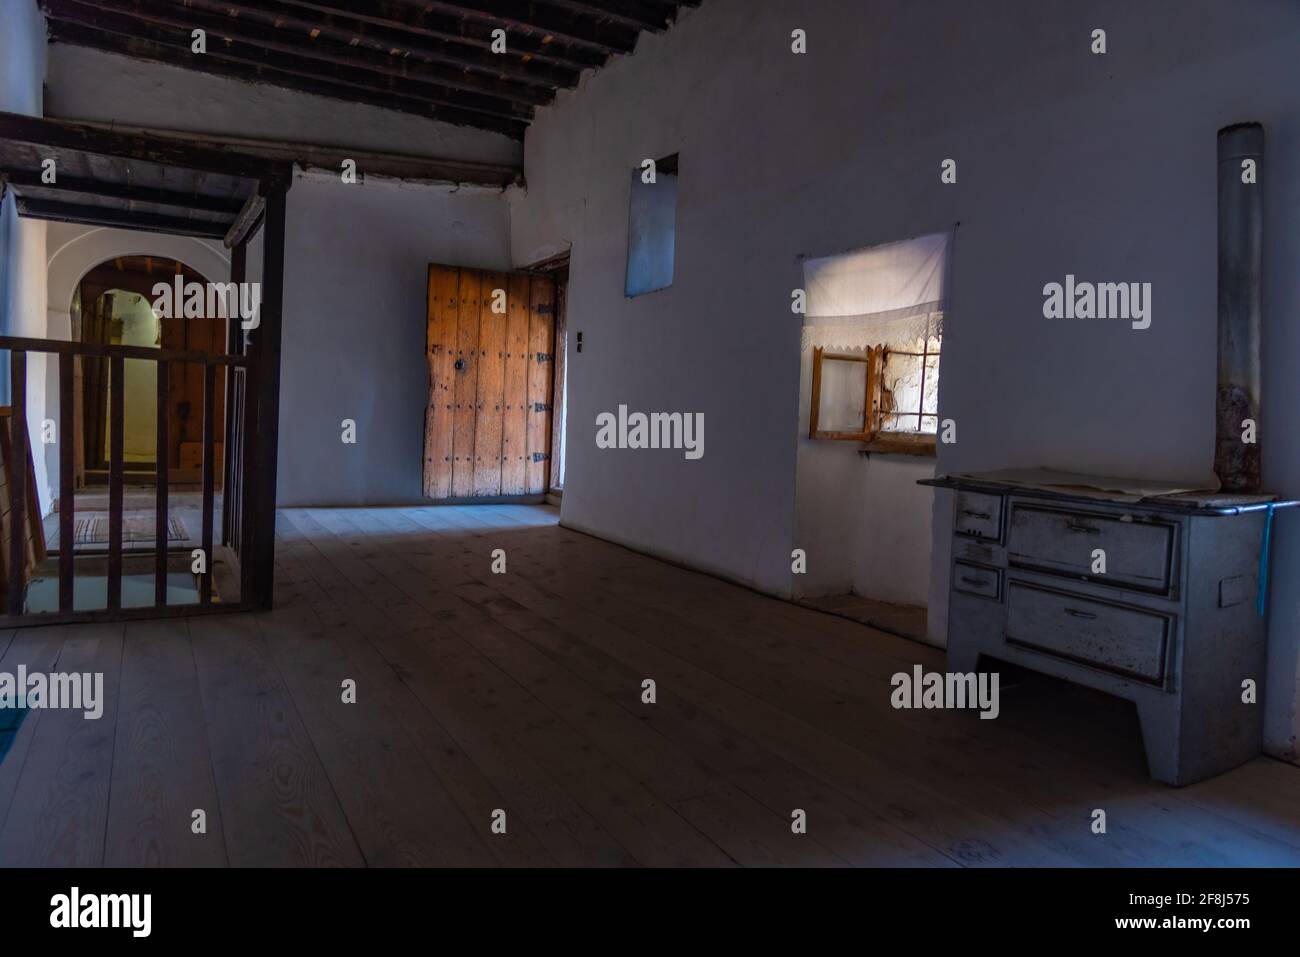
(116, 424)
(248, 488)
(209, 476)
(67, 479)
(160, 507)
(234, 346)
(260, 507)
(18, 481)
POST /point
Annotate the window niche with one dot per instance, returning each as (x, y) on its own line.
(874, 321)
(652, 227)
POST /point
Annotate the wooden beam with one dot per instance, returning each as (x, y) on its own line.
(209, 480)
(247, 220)
(67, 439)
(259, 509)
(234, 346)
(27, 179)
(524, 16)
(393, 165)
(632, 14)
(251, 73)
(102, 350)
(60, 212)
(162, 490)
(16, 478)
(42, 131)
(304, 44)
(117, 426)
(438, 36)
(73, 21)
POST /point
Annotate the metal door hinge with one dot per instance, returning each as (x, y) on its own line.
(541, 407)
(541, 456)
(545, 357)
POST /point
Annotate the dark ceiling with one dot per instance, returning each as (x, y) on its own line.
(427, 57)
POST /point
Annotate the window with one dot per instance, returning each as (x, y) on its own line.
(652, 227)
(909, 388)
(874, 322)
(884, 396)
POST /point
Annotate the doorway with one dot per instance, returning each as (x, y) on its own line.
(113, 306)
(491, 347)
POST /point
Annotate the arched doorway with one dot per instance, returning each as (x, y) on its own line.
(113, 305)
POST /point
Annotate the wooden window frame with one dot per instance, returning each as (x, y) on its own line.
(869, 409)
(874, 439)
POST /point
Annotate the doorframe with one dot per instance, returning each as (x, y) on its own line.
(557, 268)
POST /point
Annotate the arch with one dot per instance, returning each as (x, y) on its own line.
(73, 251)
(77, 255)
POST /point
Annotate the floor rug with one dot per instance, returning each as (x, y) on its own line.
(93, 530)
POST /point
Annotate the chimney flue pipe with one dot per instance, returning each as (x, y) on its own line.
(1241, 247)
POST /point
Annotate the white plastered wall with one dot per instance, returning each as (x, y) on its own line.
(1068, 162)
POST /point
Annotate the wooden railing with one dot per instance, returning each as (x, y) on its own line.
(238, 476)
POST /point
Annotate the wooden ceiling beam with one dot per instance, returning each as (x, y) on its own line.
(61, 134)
(246, 222)
(369, 162)
(126, 191)
(61, 212)
(632, 14)
(433, 34)
(157, 53)
(284, 40)
(73, 19)
(524, 16)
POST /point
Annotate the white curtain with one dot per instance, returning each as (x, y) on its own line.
(887, 294)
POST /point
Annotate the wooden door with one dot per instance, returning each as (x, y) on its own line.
(490, 346)
(185, 396)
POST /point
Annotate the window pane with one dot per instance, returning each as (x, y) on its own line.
(843, 396)
(910, 410)
(652, 230)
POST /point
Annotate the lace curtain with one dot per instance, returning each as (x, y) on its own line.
(886, 294)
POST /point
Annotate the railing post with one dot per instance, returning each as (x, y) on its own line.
(116, 424)
(259, 550)
(17, 482)
(67, 481)
(209, 476)
(162, 516)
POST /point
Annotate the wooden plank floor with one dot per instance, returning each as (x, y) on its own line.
(516, 699)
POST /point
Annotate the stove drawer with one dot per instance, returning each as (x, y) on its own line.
(1139, 554)
(978, 515)
(1122, 640)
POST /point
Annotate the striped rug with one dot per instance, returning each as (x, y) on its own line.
(93, 530)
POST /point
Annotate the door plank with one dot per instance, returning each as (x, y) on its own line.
(514, 441)
(491, 372)
(541, 341)
(443, 305)
(467, 336)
